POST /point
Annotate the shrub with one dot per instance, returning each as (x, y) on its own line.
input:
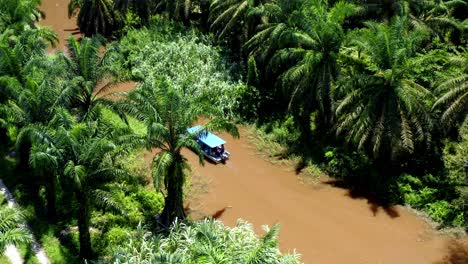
(208, 241)
(190, 63)
(440, 211)
(345, 165)
(283, 132)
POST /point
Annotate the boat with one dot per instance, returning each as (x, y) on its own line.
(211, 145)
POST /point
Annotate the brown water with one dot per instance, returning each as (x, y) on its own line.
(324, 223)
(57, 18)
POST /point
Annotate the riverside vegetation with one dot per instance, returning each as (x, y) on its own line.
(374, 94)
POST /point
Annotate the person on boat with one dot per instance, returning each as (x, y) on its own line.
(219, 150)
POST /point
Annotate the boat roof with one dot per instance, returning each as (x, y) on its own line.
(208, 138)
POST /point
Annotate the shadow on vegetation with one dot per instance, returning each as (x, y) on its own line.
(34, 210)
(457, 253)
(375, 204)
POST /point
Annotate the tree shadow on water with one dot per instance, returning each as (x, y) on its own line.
(375, 203)
(457, 253)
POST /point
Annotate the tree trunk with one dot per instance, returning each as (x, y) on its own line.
(303, 122)
(51, 199)
(174, 207)
(3, 139)
(83, 226)
(23, 154)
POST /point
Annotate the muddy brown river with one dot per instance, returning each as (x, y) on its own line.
(323, 223)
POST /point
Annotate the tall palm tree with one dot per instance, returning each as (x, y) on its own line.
(306, 56)
(95, 16)
(12, 229)
(384, 110)
(167, 115)
(454, 93)
(91, 76)
(33, 111)
(88, 159)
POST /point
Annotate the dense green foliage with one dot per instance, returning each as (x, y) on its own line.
(375, 92)
(188, 62)
(203, 242)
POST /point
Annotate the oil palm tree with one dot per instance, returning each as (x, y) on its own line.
(235, 19)
(167, 115)
(95, 16)
(12, 229)
(33, 111)
(88, 159)
(17, 51)
(43, 160)
(19, 14)
(307, 58)
(37, 139)
(276, 31)
(435, 16)
(177, 9)
(454, 93)
(384, 110)
(90, 78)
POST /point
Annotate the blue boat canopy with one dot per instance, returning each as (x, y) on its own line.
(208, 138)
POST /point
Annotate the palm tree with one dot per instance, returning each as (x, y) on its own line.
(89, 166)
(383, 110)
(435, 16)
(91, 77)
(276, 31)
(306, 56)
(235, 19)
(12, 229)
(454, 93)
(167, 115)
(17, 51)
(177, 9)
(43, 160)
(95, 16)
(34, 110)
(19, 14)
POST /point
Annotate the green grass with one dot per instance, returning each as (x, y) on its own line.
(46, 233)
(28, 255)
(56, 252)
